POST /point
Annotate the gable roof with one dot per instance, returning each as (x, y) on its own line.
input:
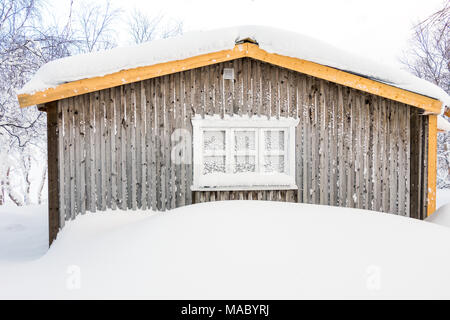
(85, 73)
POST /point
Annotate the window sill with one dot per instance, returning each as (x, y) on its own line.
(244, 188)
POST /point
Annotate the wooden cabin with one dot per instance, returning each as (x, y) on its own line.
(241, 123)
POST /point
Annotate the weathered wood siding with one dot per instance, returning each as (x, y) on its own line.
(352, 149)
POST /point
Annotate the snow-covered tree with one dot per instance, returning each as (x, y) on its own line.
(429, 58)
(27, 41)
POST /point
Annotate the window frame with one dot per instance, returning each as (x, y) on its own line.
(231, 124)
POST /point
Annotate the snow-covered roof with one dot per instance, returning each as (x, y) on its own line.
(191, 44)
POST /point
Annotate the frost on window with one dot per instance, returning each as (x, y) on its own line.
(214, 164)
(213, 140)
(244, 140)
(274, 164)
(274, 140)
(244, 164)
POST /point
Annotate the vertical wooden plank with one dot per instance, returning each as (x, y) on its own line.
(393, 159)
(248, 92)
(167, 115)
(432, 164)
(124, 90)
(61, 155)
(357, 147)
(425, 121)
(284, 93)
(160, 170)
(218, 89)
(149, 148)
(307, 113)
(368, 150)
(333, 142)
(238, 87)
(376, 168)
(299, 142)
(387, 159)
(199, 105)
(112, 146)
(107, 132)
(138, 124)
(265, 87)
(102, 132)
(170, 100)
(401, 159)
(53, 132)
(131, 139)
(189, 87)
(323, 152)
(408, 159)
(78, 153)
(349, 150)
(177, 119)
(143, 146)
(209, 76)
(228, 90)
(90, 154)
(274, 87)
(414, 141)
(341, 152)
(97, 148)
(71, 127)
(182, 125)
(257, 88)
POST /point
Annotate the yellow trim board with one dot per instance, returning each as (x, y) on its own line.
(432, 164)
(250, 50)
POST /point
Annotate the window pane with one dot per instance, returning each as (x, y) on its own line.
(244, 140)
(213, 164)
(274, 140)
(214, 140)
(274, 164)
(244, 164)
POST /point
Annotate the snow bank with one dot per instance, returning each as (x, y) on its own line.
(238, 250)
(196, 43)
(23, 232)
(443, 124)
(441, 216)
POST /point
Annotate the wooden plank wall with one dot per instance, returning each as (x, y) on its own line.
(352, 148)
(419, 163)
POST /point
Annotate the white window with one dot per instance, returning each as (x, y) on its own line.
(242, 153)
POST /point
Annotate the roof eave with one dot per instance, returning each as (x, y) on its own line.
(241, 50)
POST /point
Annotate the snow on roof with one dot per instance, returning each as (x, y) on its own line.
(443, 124)
(191, 44)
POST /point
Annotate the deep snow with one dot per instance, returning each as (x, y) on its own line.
(191, 44)
(233, 249)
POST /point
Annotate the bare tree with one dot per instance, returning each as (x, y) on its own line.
(429, 58)
(95, 26)
(142, 28)
(25, 45)
(145, 28)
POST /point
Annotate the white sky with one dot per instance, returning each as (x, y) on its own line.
(378, 29)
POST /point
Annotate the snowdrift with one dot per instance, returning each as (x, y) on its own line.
(238, 249)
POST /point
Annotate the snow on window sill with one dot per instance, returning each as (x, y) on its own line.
(244, 181)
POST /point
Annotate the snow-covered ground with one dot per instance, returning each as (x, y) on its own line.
(442, 197)
(233, 249)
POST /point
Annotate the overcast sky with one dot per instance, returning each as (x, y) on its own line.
(378, 29)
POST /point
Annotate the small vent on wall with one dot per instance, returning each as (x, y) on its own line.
(228, 74)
